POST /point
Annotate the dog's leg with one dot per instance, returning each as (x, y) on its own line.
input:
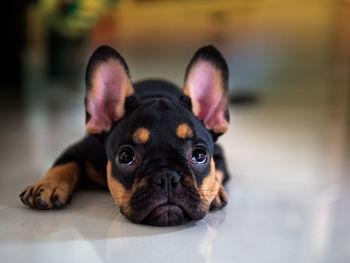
(75, 166)
(222, 176)
(55, 189)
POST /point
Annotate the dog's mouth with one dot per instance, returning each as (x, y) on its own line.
(153, 207)
(166, 215)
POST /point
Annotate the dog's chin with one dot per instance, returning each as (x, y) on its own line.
(159, 209)
(166, 215)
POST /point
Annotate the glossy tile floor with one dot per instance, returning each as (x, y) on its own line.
(289, 197)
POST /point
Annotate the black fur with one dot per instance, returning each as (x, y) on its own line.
(164, 158)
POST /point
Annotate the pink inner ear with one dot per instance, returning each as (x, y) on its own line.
(107, 95)
(207, 95)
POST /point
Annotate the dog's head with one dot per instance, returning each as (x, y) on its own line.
(160, 151)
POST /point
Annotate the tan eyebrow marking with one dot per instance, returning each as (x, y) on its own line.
(141, 135)
(184, 131)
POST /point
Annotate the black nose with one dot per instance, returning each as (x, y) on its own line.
(164, 179)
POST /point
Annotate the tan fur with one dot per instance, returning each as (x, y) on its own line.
(125, 204)
(95, 176)
(209, 188)
(59, 180)
(118, 191)
(120, 194)
(184, 131)
(219, 175)
(141, 135)
(220, 196)
(62, 177)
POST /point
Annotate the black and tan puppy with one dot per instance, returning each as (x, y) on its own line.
(152, 144)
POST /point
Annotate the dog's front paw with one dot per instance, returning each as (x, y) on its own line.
(46, 195)
(220, 199)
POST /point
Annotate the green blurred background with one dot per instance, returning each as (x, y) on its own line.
(266, 42)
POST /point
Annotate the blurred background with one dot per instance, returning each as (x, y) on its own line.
(288, 144)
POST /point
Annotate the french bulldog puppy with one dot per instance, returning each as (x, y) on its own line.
(151, 143)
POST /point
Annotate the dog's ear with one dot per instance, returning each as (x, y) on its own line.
(108, 84)
(206, 83)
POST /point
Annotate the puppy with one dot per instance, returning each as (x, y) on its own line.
(152, 144)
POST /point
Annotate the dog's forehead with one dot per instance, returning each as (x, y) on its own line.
(163, 114)
(159, 122)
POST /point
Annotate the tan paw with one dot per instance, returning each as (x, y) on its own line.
(46, 195)
(220, 200)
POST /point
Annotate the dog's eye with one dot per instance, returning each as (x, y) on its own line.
(199, 156)
(127, 156)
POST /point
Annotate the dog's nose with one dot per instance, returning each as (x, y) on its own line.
(169, 179)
